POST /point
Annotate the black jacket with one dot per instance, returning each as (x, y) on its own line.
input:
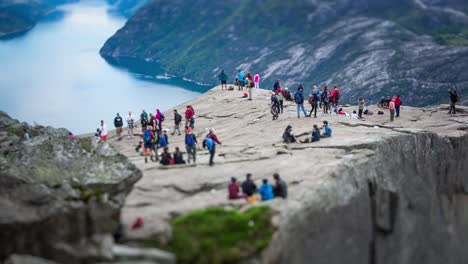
(249, 187)
(177, 118)
(118, 121)
(281, 189)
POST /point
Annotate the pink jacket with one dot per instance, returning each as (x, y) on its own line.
(257, 78)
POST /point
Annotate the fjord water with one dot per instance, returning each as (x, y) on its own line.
(53, 75)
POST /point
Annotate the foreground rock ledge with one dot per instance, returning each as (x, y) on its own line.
(376, 192)
(60, 198)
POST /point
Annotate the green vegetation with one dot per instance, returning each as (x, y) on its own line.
(217, 235)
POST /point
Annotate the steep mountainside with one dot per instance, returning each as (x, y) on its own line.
(126, 7)
(415, 48)
(19, 16)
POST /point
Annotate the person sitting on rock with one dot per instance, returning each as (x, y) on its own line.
(166, 158)
(288, 136)
(354, 115)
(266, 191)
(315, 134)
(248, 186)
(178, 156)
(287, 94)
(327, 129)
(341, 112)
(234, 190)
(280, 189)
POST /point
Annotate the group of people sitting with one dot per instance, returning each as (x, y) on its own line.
(290, 137)
(248, 189)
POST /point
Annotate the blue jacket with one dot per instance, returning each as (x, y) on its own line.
(315, 135)
(209, 142)
(240, 76)
(163, 141)
(299, 97)
(328, 131)
(266, 191)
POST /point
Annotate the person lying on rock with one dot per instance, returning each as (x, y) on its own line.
(234, 190)
(266, 191)
(288, 135)
(280, 189)
(327, 129)
(178, 156)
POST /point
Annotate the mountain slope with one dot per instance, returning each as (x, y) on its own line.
(366, 47)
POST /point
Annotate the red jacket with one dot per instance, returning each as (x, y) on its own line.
(189, 114)
(233, 190)
(397, 101)
(214, 137)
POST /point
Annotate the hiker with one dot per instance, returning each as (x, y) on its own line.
(148, 137)
(143, 120)
(314, 102)
(354, 115)
(213, 136)
(341, 112)
(240, 80)
(361, 104)
(97, 135)
(257, 80)
(248, 186)
(287, 94)
(71, 136)
(223, 78)
(325, 99)
(118, 124)
(391, 106)
(155, 143)
(274, 106)
(103, 131)
(191, 145)
(160, 117)
(189, 115)
(327, 129)
(280, 97)
(335, 96)
(276, 85)
(130, 124)
(178, 156)
(166, 158)
(280, 189)
(26, 135)
(266, 191)
(315, 134)
(397, 105)
(210, 144)
(299, 100)
(152, 121)
(163, 140)
(288, 136)
(249, 85)
(386, 102)
(454, 98)
(234, 190)
(177, 121)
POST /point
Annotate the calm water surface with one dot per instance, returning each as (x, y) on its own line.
(53, 75)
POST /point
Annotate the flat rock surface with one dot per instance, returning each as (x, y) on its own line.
(252, 144)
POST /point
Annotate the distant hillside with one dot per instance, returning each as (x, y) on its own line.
(19, 16)
(126, 7)
(374, 48)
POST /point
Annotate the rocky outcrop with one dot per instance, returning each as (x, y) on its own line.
(414, 48)
(60, 198)
(376, 192)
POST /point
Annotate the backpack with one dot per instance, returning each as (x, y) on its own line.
(178, 118)
(189, 140)
(298, 98)
(162, 117)
(380, 113)
(209, 143)
(147, 136)
(162, 141)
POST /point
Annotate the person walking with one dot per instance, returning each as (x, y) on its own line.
(223, 78)
(257, 80)
(314, 102)
(453, 100)
(325, 100)
(391, 106)
(130, 123)
(361, 104)
(160, 117)
(118, 124)
(397, 105)
(210, 144)
(103, 131)
(189, 113)
(280, 100)
(177, 121)
(299, 100)
(148, 137)
(191, 145)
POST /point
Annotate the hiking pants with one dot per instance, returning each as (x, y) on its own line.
(250, 93)
(325, 107)
(257, 85)
(280, 108)
(392, 114)
(212, 154)
(300, 107)
(176, 128)
(360, 113)
(452, 109)
(397, 110)
(314, 109)
(192, 152)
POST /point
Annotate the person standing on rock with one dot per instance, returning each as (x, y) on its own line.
(335, 96)
(189, 113)
(160, 117)
(397, 105)
(314, 101)
(130, 124)
(299, 100)
(118, 124)
(257, 80)
(248, 186)
(240, 80)
(177, 121)
(250, 85)
(223, 78)
(280, 96)
(454, 98)
(210, 144)
(280, 189)
(391, 106)
(103, 131)
(144, 120)
(361, 104)
(277, 85)
(191, 145)
(274, 109)
(148, 137)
